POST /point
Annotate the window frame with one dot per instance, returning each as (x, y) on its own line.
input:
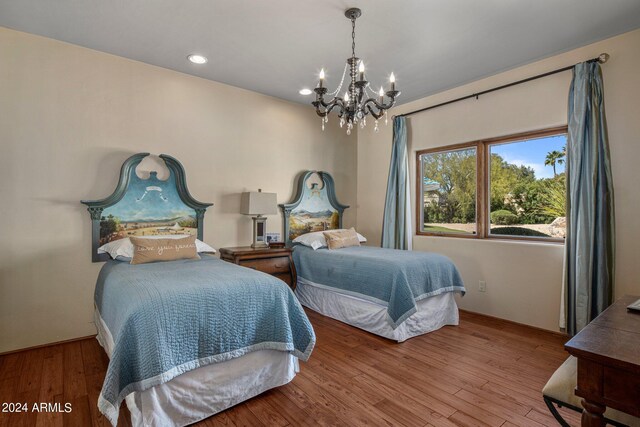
(483, 186)
(420, 196)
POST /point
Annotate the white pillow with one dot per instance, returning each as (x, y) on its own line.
(316, 239)
(122, 249)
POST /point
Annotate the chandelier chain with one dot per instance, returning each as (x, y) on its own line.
(353, 62)
(353, 37)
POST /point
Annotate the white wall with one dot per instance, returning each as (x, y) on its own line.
(70, 116)
(523, 279)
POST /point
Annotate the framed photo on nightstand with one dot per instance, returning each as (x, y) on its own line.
(273, 237)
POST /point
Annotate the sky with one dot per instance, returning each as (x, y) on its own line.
(532, 153)
(315, 201)
(150, 199)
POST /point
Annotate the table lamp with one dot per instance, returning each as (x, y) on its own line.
(258, 203)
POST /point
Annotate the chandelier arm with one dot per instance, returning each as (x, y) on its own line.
(321, 106)
(326, 104)
(369, 105)
(319, 111)
(323, 109)
(389, 104)
(375, 115)
(380, 106)
(320, 98)
(336, 104)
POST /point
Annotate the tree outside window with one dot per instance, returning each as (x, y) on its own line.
(511, 187)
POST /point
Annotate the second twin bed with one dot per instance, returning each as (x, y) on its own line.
(391, 293)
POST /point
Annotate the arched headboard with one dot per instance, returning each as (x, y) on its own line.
(313, 208)
(145, 207)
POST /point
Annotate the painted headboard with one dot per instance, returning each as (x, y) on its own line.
(145, 207)
(314, 208)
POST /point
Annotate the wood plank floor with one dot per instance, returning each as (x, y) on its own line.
(485, 372)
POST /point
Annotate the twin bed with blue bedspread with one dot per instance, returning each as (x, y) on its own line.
(393, 293)
(191, 337)
(168, 318)
(395, 279)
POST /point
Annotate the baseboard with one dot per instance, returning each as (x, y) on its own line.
(558, 333)
(35, 347)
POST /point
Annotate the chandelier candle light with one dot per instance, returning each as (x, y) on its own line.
(354, 106)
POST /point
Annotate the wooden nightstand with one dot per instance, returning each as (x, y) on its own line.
(277, 262)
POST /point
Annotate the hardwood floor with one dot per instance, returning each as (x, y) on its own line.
(485, 372)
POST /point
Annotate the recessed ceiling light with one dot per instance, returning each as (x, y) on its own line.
(305, 91)
(197, 59)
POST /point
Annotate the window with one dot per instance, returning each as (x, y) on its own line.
(449, 190)
(510, 187)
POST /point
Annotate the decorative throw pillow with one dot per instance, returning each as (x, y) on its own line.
(122, 249)
(152, 250)
(315, 240)
(337, 239)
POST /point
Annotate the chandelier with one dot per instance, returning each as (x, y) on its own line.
(359, 100)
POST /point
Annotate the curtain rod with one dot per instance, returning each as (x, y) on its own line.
(602, 58)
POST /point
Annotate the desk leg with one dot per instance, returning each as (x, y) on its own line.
(592, 416)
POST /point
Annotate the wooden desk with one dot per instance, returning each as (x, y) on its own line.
(608, 353)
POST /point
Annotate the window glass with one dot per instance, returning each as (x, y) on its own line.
(449, 186)
(510, 187)
(527, 191)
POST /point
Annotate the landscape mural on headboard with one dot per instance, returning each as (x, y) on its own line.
(314, 213)
(150, 207)
(145, 206)
(314, 208)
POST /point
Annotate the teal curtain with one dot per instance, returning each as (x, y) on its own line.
(396, 226)
(590, 241)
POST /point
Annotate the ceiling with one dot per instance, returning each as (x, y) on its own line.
(277, 47)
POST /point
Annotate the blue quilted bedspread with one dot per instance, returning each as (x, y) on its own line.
(394, 278)
(168, 318)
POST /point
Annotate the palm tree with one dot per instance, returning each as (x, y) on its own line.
(562, 158)
(554, 157)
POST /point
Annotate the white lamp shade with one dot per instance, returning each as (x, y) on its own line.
(258, 203)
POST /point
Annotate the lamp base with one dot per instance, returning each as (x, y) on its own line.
(259, 232)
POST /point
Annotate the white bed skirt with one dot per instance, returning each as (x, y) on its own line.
(205, 391)
(433, 312)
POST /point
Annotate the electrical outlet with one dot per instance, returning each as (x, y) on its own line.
(482, 286)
